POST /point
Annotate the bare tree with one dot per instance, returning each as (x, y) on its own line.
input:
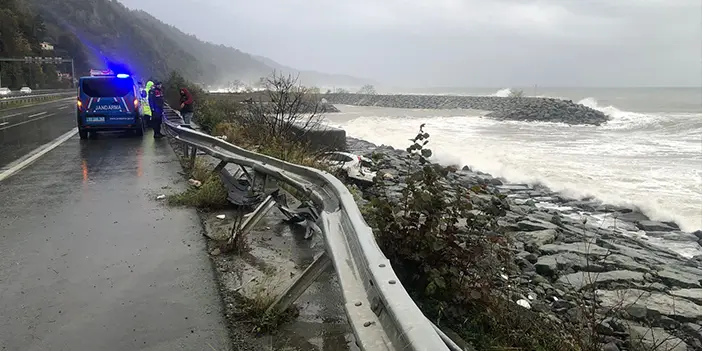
(367, 89)
(284, 113)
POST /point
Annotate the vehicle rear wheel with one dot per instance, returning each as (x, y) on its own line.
(140, 131)
(83, 134)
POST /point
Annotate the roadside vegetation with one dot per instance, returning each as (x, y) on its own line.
(444, 241)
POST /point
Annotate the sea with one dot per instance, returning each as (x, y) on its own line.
(648, 156)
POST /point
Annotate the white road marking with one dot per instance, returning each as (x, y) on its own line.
(12, 115)
(27, 121)
(63, 108)
(34, 155)
(4, 123)
(37, 114)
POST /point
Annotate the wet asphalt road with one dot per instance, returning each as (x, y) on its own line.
(90, 260)
(26, 128)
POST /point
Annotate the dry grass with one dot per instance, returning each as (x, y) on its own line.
(290, 151)
(262, 297)
(212, 194)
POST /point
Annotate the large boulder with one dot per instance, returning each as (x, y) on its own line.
(656, 304)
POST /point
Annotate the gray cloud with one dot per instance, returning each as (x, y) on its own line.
(461, 42)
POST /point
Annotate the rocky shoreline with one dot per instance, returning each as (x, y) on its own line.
(502, 108)
(563, 254)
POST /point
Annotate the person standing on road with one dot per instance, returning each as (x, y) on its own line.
(145, 105)
(186, 105)
(156, 102)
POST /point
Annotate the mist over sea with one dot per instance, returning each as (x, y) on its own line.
(648, 156)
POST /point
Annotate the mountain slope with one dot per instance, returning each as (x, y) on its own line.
(231, 64)
(20, 34)
(103, 32)
(106, 32)
(317, 78)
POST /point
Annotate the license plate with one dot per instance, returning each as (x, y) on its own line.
(95, 119)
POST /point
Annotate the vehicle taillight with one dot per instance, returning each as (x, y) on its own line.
(136, 103)
(79, 104)
(359, 158)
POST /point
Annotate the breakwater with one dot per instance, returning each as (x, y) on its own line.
(502, 108)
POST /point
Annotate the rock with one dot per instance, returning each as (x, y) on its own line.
(533, 224)
(583, 280)
(524, 303)
(679, 277)
(656, 339)
(610, 346)
(655, 303)
(550, 265)
(536, 238)
(654, 226)
(698, 234)
(578, 248)
(694, 330)
(673, 236)
(216, 252)
(694, 295)
(502, 108)
(616, 261)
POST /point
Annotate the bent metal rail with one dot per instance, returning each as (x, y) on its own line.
(381, 312)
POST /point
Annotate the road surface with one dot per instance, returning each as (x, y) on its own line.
(89, 259)
(26, 128)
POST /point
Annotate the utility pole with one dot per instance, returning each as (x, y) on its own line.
(73, 74)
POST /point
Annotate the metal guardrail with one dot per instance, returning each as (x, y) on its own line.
(381, 312)
(12, 100)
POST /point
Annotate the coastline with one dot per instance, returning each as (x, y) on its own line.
(514, 108)
(621, 219)
(568, 259)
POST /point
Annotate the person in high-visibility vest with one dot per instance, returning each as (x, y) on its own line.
(145, 103)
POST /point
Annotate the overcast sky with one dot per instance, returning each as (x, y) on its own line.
(495, 43)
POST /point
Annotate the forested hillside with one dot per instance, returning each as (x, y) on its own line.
(20, 35)
(99, 33)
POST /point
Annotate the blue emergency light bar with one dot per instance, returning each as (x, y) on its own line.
(122, 75)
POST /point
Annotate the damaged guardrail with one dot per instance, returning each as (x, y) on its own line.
(381, 312)
(16, 100)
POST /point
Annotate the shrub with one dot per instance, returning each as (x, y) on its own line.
(278, 122)
(450, 256)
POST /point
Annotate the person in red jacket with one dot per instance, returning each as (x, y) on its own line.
(186, 105)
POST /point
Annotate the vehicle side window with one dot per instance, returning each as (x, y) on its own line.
(335, 157)
(345, 158)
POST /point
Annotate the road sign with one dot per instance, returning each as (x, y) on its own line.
(40, 59)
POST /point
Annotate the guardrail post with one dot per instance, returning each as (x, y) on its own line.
(220, 166)
(301, 284)
(193, 155)
(258, 214)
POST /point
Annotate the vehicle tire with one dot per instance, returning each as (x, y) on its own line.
(83, 134)
(140, 131)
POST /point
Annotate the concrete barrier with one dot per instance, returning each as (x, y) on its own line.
(323, 137)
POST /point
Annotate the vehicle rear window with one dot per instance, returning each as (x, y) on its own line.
(107, 87)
